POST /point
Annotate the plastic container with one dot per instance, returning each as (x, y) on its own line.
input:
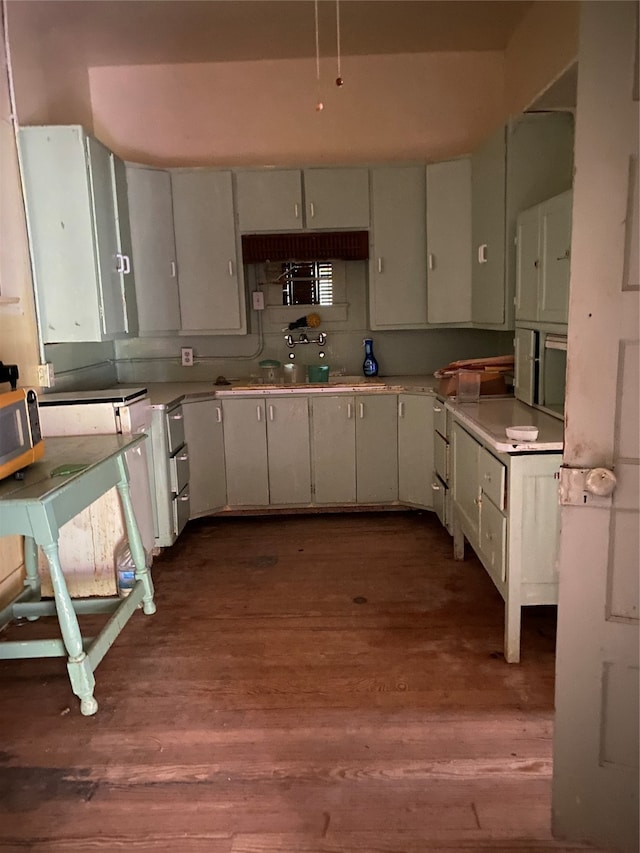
(294, 374)
(318, 372)
(468, 386)
(526, 432)
(270, 371)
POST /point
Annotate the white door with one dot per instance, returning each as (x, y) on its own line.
(595, 796)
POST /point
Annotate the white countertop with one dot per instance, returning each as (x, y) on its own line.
(489, 418)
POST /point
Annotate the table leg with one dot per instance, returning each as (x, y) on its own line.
(135, 540)
(32, 579)
(78, 664)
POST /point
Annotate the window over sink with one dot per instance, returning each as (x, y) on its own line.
(303, 282)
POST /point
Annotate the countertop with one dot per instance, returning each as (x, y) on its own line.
(489, 418)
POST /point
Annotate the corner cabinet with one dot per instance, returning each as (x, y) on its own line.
(151, 209)
(291, 200)
(210, 271)
(398, 264)
(524, 163)
(78, 223)
(501, 503)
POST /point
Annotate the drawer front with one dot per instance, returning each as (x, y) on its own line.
(442, 502)
(179, 466)
(440, 420)
(441, 457)
(492, 477)
(175, 429)
(181, 508)
(493, 541)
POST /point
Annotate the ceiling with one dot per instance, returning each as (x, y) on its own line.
(114, 32)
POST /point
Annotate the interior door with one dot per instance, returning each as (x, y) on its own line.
(595, 796)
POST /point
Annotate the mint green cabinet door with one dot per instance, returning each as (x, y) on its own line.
(151, 212)
(73, 226)
(376, 448)
(269, 200)
(415, 449)
(449, 241)
(555, 242)
(398, 264)
(527, 264)
(245, 451)
(333, 449)
(210, 280)
(488, 182)
(466, 486)
(525, 365)
(204, 437)
(337, 198)
(125, 262)
(289, 450)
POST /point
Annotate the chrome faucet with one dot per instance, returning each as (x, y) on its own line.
(303, 338)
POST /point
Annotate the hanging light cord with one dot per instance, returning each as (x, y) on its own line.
(319, 104)
(339, 80)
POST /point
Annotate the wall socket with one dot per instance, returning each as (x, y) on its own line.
(46, 378)
(187, 356)
(257, 300)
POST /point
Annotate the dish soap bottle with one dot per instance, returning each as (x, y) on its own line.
(369, 365)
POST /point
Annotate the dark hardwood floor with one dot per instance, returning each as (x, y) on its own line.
(309, 684)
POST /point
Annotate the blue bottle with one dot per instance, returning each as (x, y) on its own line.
(369, 365)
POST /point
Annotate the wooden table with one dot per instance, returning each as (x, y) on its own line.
(75, 471)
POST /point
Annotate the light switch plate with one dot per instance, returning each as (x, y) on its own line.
(257, 300)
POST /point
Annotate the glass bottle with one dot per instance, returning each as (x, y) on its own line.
(370, 365)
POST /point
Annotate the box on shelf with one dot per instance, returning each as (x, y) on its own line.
(490, 383)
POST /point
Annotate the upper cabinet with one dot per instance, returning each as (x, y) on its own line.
(210, 276)
(77, 220)
(521, 165)
(151, 209)
(543, 244)
(449, 242)
(272, 200)
(398, 264)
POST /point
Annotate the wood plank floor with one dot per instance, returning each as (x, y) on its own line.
(309, 684)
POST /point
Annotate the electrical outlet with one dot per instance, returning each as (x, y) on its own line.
(257, 300)
(187, 356)
(46, 378)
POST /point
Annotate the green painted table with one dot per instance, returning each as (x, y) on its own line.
(75, 471)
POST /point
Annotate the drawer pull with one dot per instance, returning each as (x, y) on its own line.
(185, 497)
(184, 457)
(437, 409)
(435, 487)
(177, 417)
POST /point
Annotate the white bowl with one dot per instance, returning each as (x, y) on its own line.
(522, 433)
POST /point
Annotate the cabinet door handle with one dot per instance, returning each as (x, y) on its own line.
(361, 409)
(271, 413)
(432, 261)
(437, 408)
(124, 264)
(173, 269)
(231, 268)
(184, 457)
(259, 413)
(487, 477)
(400, 410)
(349, 411)
(296, 210)
(218, 415)
(482, 253)
(564, 257)
(379, 265)
(178, 417)
(185, 497)
(435, 487)
(312, 209)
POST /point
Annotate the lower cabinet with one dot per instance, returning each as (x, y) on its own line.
(170, 473)
(204, 438)
(442, 464)
(266, 449)
(415, 450)
(506, 507)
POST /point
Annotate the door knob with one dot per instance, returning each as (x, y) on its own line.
(601, 482)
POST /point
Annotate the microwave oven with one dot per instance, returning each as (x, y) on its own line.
(20, 434)
(541, 369)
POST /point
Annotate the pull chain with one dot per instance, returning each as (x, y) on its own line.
(319, 104)
(339, 80)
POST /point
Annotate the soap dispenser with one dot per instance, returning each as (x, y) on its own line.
(370, 365)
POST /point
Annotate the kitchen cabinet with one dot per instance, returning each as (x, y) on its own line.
(151, 209)
(415, 450)
(398, 265)
(501, 503)
(274, 199)
(170, 472)
(205, 440)
(526, 365)
(210, 279)
(333, 449)
(267, 455)
(78, 225)
(376, 442)
(543, 250)
(442, 464)
(522, 164)
(449, 241)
